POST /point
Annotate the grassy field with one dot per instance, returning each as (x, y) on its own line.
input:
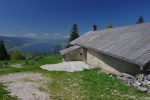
(85, 85)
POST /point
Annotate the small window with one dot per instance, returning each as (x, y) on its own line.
(80, 54)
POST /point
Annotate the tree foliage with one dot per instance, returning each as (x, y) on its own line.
(17, 55)
(140, 20)
(3, 52)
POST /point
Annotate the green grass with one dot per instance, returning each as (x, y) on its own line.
(85, 85)
(89, 85)
(4, 94)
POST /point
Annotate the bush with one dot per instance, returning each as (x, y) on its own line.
(17, 55)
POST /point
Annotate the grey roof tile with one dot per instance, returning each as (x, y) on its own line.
(130, 43)
(64, 51)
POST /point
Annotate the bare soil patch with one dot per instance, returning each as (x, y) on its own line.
(27, 86)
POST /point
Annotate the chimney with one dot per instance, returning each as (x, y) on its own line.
(94, 28)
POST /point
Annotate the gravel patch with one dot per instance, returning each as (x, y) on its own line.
(67, 66)
(17, 65)
(27, 86)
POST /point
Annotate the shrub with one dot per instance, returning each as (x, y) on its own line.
(17, 55)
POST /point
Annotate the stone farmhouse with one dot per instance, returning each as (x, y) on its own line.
(125, 49)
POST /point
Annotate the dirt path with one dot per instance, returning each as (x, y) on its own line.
(27, 86)
(67, 66)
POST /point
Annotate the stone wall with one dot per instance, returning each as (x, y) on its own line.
(75, 55)
(109, 63)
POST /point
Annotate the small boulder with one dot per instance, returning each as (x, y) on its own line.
(142, 89)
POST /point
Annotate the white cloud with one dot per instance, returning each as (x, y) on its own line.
(56, 34)
(60, 36)
(25, 33)
(66, 36)
(46, 34)
(31, 34)
(52, 35)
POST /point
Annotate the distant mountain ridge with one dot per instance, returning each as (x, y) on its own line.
(12, 42)
(26, 44)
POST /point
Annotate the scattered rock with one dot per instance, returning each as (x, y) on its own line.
(142, 89)
(141, 83)
(147, 98)
(136, 84)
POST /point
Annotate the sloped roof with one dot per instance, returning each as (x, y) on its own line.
(130, 43)
(64, 51)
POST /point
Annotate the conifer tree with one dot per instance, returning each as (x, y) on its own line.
(74, 33)
(3, 52)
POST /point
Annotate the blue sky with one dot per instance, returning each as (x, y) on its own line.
(54, 18)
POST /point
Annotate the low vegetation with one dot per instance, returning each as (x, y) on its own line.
(85, 85)
(17, 55)
(4, 95)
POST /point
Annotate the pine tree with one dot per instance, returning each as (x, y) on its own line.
(94, 27)
(110, 26)
(74, 33)
(140, 20)
(3, 53)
